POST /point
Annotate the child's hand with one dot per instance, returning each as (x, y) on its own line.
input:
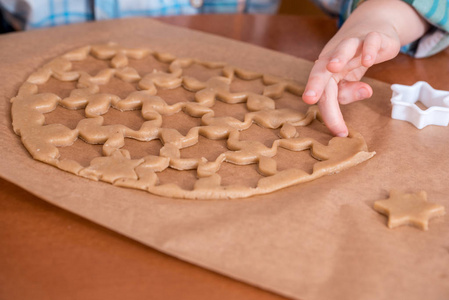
(334, 78)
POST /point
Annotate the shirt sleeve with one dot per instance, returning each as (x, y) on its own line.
(437, 38)
(331, 7)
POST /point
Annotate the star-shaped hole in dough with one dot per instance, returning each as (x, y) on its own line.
(203, 71)
(408, 209)
(150, 117)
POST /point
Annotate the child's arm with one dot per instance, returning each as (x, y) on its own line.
(372, 34)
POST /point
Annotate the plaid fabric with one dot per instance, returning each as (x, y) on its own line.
(436, 12)
(29, 14)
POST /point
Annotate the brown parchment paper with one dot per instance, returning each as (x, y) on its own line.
(319, 240)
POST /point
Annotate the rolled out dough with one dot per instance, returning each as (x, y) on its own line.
(151, 76)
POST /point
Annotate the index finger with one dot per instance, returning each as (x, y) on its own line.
(330, 110)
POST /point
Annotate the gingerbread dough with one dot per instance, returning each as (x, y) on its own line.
(408, 209)
(116, 166)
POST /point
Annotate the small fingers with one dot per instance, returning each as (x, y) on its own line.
(330, 110)
(318, 79)
(351, 91)
(342, 54)
(371, 47)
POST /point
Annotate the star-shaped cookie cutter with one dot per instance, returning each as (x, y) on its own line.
(404, 101)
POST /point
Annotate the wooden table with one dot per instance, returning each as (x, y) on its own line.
(49, 253)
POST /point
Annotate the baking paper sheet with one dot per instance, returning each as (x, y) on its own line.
(319, 240)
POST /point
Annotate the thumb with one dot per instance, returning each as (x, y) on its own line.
(351, 91)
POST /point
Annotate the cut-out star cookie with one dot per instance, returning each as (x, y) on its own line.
(408, 209)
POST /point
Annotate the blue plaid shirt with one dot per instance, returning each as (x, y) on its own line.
(29, 14)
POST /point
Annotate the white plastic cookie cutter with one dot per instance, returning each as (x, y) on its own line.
(404, 101)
